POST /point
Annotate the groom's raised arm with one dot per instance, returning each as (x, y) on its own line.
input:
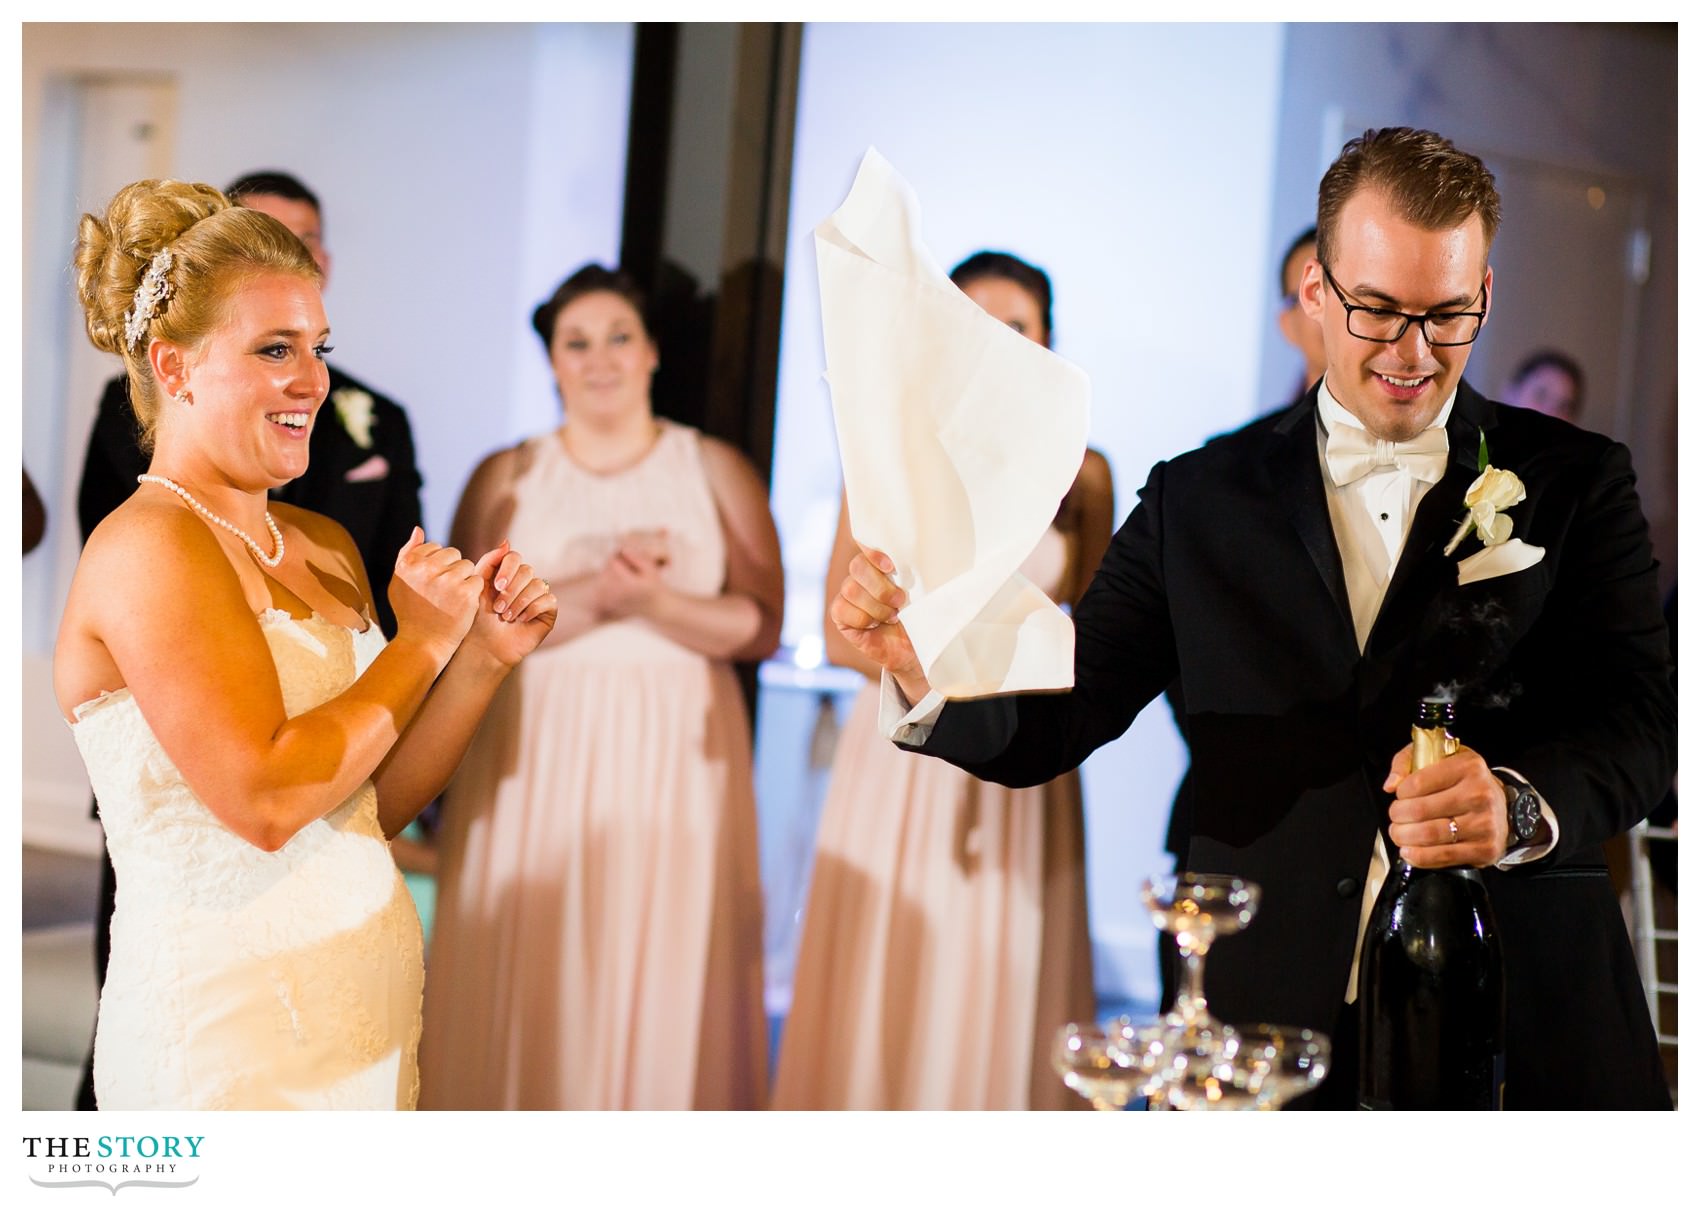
(1124, 656)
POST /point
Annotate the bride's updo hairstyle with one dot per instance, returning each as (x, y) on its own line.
(164, 262)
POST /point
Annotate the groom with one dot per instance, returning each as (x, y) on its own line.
(1293, 576)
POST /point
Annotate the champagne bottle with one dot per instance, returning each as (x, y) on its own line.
(1431, 981)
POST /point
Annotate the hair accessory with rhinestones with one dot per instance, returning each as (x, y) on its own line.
(153, 291)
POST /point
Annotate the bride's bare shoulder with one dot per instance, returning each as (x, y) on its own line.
(152, 535)
(150, 574)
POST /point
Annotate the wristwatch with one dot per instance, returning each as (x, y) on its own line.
(1522, 809)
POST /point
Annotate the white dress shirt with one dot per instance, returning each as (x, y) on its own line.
(1371, 517)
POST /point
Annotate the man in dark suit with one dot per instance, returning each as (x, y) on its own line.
(1294, 576)
(1303, 333)
(361, 471)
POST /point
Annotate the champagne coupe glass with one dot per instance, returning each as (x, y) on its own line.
(1284, 1062)
(1259, 1068)
(1198, 909)
(1145, 1046)
(1089, 1064)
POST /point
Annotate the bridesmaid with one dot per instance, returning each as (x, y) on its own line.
(598, 934)
(946, 937)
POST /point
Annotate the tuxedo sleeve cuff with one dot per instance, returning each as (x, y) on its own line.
(1543, 843)
(907, 725)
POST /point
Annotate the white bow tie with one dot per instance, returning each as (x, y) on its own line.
(1352, 453)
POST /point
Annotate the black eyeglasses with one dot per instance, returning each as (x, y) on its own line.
(1385, 325)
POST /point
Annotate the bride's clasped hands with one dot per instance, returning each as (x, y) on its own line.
(496, 608)
(516, 608)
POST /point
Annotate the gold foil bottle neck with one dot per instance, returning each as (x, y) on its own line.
(1429, 745)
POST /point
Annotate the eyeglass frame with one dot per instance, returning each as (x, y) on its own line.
(1421, 321)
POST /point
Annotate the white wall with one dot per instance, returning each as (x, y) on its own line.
(464, 170)
(1134, 164)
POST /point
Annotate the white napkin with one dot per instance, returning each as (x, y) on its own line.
(959, 438)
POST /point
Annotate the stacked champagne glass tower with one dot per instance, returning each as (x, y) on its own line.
(1189, 1060)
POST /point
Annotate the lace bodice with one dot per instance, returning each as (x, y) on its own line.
(241, 977)
(147, 808)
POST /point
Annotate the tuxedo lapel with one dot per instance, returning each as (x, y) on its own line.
(1423, 571)
(1295, 481)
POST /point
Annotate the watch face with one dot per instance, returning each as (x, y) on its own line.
(1525, 815)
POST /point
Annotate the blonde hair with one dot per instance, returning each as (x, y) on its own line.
(216, 246)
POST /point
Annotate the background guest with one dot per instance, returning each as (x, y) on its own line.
(946, 933)
(1301, 331)
(599, 934)
(1547, 381)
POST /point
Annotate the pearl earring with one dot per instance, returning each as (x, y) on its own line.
(183, 397)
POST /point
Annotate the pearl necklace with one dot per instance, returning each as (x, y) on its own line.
(270, 561)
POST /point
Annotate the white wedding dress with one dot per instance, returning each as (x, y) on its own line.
(238, 978)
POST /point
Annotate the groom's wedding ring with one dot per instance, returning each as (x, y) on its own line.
(1453, 825)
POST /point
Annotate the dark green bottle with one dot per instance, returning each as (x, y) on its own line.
(1431, 982)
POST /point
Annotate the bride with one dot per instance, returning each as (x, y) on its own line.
(251, 739)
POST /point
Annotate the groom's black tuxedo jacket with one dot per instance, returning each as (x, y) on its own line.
(1227, 576)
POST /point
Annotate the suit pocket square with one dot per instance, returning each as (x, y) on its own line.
(1502, 559)
(374, 468)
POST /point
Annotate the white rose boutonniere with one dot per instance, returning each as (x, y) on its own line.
(354, 410)
(1494, 491)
